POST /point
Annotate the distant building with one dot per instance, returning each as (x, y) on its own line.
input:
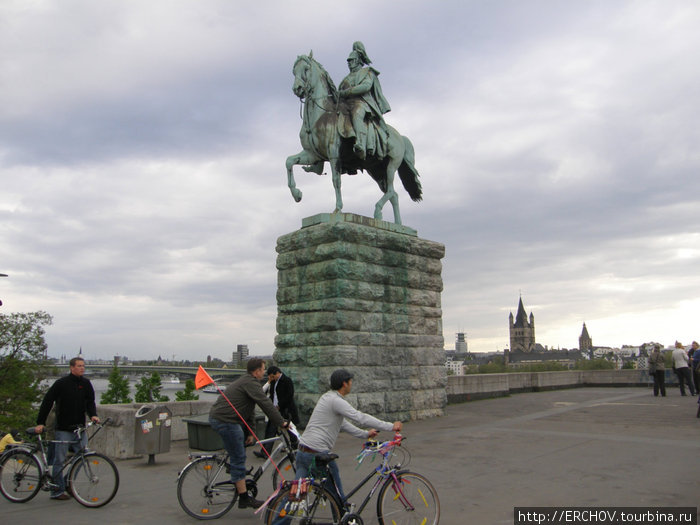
(461, 343)
(585, 343)
(240, 355)
(454, 366)
(522, 331)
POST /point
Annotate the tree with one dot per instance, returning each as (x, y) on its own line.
(594, 364)
(22, 367)
(148, 389)
(188, 393)
(118, 390)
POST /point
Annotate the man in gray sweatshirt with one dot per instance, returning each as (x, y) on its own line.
(329, 418)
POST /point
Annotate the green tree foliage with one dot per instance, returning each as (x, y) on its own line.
(546, 366)
(148, 389)
(594, 364)
(496, 366)
(22, 367)
(188, 394)
(118, 389)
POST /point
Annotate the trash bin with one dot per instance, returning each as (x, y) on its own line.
(152, 433)
(200, 435)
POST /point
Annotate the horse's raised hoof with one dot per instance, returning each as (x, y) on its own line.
(296, 193)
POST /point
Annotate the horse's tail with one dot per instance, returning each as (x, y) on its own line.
(408, 173)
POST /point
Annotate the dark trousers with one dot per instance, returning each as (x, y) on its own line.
(659, 382)
(696, 379)
(270, 432)
(685, 376)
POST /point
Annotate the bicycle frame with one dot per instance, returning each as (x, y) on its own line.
(384, 472)
(279, 449)
(39, 449)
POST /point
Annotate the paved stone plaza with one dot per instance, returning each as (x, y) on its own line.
(579, 447)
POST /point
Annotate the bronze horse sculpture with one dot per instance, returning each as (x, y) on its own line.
(321, 141)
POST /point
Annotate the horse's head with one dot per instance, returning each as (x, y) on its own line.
(310, 78)
(302, 74)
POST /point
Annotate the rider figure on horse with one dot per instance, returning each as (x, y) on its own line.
(363, 105)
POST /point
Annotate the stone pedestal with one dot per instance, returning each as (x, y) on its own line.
(362, 294)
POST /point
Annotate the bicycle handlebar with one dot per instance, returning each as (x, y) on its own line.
(82, 428)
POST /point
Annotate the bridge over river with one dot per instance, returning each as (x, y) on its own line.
(181, 372)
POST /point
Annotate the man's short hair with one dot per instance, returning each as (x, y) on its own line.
(339, 377)
(273, 369)
(254, 364)
(73, 361)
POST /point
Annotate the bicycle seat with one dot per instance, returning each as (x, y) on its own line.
(31, 431)
(323, 459)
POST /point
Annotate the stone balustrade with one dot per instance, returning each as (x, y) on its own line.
(117, 440)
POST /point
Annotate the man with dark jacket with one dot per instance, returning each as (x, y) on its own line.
(280, 389)
(74, 397)
(231, 416)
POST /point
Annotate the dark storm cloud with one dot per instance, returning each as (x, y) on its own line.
(142, 153)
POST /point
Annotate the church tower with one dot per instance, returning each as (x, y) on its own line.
(585, 343)
(522, 331)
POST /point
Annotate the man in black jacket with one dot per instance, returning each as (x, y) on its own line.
(281, 392)
(74, 397)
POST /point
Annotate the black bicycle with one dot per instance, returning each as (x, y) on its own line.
(93, 479)
(204, 487)
(404, 497)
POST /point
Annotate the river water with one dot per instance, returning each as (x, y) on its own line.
(101, 384)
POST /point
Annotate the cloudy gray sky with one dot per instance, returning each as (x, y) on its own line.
(142, 149)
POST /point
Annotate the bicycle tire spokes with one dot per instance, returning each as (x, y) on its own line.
(93, 479)
(408, 498)
(204, 488)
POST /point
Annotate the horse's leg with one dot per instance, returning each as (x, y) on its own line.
(303, 157)
(390, 194)
(293, 160)
(336, 185)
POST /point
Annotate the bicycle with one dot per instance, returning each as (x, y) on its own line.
(92, 478)
(404, 497)
(204, 487)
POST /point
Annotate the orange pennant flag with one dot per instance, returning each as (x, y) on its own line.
(202, 378)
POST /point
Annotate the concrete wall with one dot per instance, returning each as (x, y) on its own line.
(117, 440)
(480, 386)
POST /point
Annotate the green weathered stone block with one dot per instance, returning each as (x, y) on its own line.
(361, 296)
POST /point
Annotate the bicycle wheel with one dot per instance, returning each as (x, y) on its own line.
(318, 506)
(411, 500)
(93, 479)
(20, 476)
(205, 490)
(287, 472)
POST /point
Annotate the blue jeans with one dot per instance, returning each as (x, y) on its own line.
(304, 460)
(234, 442)
(60, 450)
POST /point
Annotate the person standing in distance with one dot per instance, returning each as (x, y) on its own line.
(680, 363)
(243, 394)
(280, 388)
(329, 418)
(74, 397)
(657, 369)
